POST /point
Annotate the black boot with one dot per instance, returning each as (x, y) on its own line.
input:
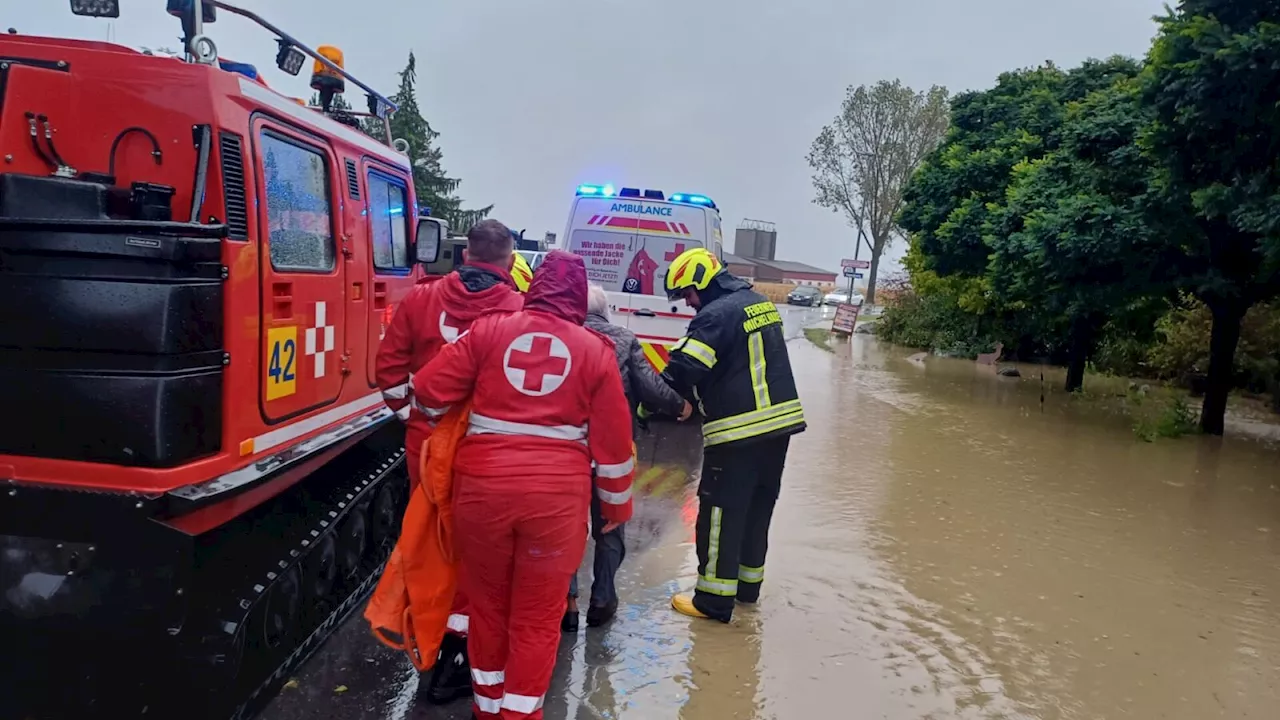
(598, 615)
(569, 623)
(451, 676)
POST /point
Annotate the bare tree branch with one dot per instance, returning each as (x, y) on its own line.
(861, 162)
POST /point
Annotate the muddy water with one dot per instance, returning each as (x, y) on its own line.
(945, 547)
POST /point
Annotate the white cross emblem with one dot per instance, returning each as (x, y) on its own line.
(315, 345)
(537, 363)
(450, 333)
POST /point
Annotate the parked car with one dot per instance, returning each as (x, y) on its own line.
(840, 297)
(533, 257)
(804, 295)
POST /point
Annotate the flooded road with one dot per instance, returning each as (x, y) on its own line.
(944, 547)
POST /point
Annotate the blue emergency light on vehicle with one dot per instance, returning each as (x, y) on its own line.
(596, 190)
(245, 69)
(693, 199)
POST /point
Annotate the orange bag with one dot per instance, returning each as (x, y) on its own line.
(410, 607)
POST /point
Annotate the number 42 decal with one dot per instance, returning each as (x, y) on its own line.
(282, 355)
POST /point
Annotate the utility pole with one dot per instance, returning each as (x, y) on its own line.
(857, 247)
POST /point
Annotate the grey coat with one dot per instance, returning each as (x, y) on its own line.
(640, 382)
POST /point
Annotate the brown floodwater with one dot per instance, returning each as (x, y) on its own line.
(946, 546)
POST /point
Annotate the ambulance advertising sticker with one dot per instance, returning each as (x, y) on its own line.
(628, 245)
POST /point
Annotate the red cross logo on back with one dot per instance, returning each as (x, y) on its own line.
(674, 253)
(537, 363)
(449, 331)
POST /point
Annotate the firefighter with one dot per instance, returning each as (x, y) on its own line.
(431, 317)
(546, 402)
(733, 365)
(521, 273)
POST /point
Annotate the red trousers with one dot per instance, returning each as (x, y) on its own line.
(458, 619)
(519, 549)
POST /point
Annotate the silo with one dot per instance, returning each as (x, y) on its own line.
(756, 239)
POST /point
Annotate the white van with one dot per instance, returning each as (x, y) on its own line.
(628, 238)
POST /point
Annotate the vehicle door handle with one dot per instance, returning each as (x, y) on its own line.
(282, 300)
(379, 295)
(644, 312)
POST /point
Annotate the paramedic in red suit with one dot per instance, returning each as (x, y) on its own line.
(546, 402)
(432, 316)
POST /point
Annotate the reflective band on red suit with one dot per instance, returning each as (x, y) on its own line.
(481, 424)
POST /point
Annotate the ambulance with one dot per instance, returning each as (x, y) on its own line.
(628, 237)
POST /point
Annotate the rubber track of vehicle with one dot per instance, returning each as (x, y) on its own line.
(248, 695)
(371, 570)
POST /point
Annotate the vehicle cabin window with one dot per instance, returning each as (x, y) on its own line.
(299, 212)
(533, 258)
(388, 199)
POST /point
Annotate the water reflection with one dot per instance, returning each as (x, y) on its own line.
(723, 675)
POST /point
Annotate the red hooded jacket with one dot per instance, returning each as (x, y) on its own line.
(546, 395)
(430, 317)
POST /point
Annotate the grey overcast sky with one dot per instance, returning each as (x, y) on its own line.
(720, 97)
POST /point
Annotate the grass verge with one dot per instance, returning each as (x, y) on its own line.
(819, 337)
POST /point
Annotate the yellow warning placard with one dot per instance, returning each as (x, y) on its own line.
(282, 362)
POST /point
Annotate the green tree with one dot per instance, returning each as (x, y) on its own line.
(434, 189)
(862, 160)
(956, 206)
(947, 202)
(950, 201)
(1212, 83)
(1071, 245)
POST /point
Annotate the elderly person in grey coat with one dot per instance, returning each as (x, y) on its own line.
(642, 386)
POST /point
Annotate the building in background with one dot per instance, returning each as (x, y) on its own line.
(740, 266)
(796, 273)
(755, 246)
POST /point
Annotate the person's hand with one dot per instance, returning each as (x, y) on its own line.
(686, 412)
(610, 527)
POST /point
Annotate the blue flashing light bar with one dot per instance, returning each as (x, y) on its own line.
(690, 199)
(610, 191)
(245, 69)
(596, 190)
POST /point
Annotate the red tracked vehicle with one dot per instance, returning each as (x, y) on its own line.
(198, 477)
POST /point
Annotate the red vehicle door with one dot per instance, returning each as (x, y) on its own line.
(303, 317)
(390, 263)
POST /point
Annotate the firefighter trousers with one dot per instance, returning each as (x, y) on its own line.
(519, 550)
(739, 487)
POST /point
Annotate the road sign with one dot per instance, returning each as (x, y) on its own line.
(857, 264)
(850, 272)
(846, 319)
(858, 276)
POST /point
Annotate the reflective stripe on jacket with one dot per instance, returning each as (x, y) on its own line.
(734, 364)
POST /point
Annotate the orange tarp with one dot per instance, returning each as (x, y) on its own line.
(410, 607)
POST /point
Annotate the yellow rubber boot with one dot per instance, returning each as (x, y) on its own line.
(683, 604)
